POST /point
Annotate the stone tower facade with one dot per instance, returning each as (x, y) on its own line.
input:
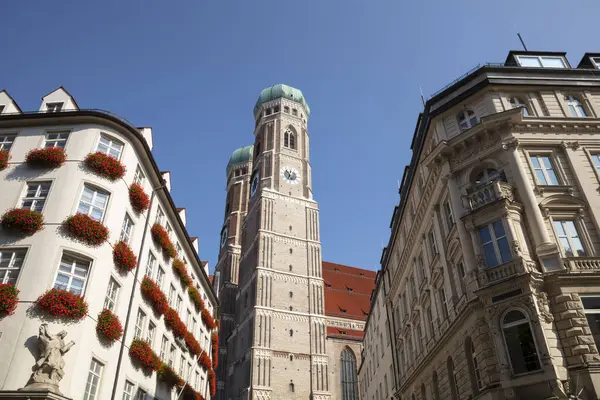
(277, 348)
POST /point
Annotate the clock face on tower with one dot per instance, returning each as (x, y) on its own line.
(254, 183)
(224, 234)
(290, 175)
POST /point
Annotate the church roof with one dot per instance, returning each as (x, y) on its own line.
(240, 156)
(347, 291)
(279, 91)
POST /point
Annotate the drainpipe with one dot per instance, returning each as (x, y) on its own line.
(135, 279)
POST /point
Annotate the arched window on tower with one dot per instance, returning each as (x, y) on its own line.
(289, 139)
(348, 375)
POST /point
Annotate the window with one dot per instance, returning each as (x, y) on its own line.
(189, 317)
(140, 322)
(466, 120)
(541, 61)
(93, 379)
(516, 102)
(56, 139)
(575, 107)
(520, 344)
(289, 139)
(495, 244)
(449, 216)
(436, 386)
(592, 313)
(141, 394)
(348, 375)
(429, 316)
(128, 391)
(197, 381)
(93, 202)
(164, 344)
(172, 355)
(452, 378)
(126, 229)
(544, 169)
(54, 107)
(194, 322)
(6, 142)
(420, 269)
(569, 238)
(139, 176)
(160, 277)
(286, 109)
(171, 295)
(596, 162)
(178, 304)
(2, 107)
(432, 244)
(72, 274)
(596, 61)
(443, 303)
(11, 261)
(486, 176)
(36, 195)
(151, 333)
(182, 365)
(295, 112)
(474, 373)
(110, 146)
(112, 291)
(150, 265)
(292, 387)
(291, 332)
(168, 229)
(160, 215)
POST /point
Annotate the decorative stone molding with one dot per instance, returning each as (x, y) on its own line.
(544, 307)
(510, 144)
(262, 394)
(288, 316)
(571, 145)
(278, 196)
(320, 359)
(344, 323)
(465, 151)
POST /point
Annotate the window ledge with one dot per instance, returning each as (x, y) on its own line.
(566, 189)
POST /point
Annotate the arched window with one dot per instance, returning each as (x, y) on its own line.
(348, 375)
(516, 102)
(474, 373)
(452, 378)
(423, 392)
(466, 120)
(286, 109)
(413, 397)
(486, 175)
(520, 343)
(294, 112)
(289, 139)
(292, 389)
(436, 386)
(291, 332)
(575, 107)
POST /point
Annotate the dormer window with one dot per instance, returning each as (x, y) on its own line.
(466, 120)
(517, 102)
(2, 107)
(54, 107)
(542, 61)
(575, 107)
(344, 310)
(596, 61)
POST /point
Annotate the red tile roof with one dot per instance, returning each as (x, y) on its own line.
(344, 333)
(211, 279)
(347, 291)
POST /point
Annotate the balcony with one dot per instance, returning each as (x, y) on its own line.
(493, 191)
(517, 266)
(582, 264)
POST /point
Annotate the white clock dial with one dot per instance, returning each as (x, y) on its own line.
(254, 184)
(224, 236)
(290, 175)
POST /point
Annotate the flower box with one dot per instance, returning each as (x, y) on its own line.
(23, 221)
(179, 268)
(196, 298)
(169, 376)
(213, 382)
(175, 323)
(208, 319)
(192, 344)
(109, 326)
(154, 295)
(141, 352)
(160, 236)
(214, 341)
(138, 198)
(86, 229)
(190, 394)
(205, 361)
(50, 157)
(9, 298)
(123, 257)
(105, 165)
(4, 157)
(63, 304)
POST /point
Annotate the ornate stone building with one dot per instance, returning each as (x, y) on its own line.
(490, 277)
(291, 325)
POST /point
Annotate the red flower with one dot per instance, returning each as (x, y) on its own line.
(105, 165)
(63, 304)
(23, 220)
(190, 394)
(138, 198)
(214, 339)
(208, 319)
(179, 268)
(169, 376)
(213, 382)
(4, 157)
(9, 297)
(86, 229)
(175, 323)
(154, 295)
(51, 157)
(123, 257)
(141, 351)
(109, 326)
(205, 361)
(192, 343)
(160, 236)
(196, 298)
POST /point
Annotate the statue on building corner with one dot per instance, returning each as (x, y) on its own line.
(49, 368)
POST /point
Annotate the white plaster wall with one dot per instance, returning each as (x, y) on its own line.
(8, 103)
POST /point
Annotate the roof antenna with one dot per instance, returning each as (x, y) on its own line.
(422, 97)
(520, 38)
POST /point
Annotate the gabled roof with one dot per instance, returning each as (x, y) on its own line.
(347, 291)
(64, 90)
(11, 98)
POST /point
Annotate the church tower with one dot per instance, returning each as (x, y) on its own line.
(277, 349)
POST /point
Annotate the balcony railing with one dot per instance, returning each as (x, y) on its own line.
(582, 264)
(490, 193)
(512, 268)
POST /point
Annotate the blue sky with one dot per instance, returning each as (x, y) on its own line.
(193, 70)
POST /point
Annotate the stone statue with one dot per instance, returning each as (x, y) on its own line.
(49, 368)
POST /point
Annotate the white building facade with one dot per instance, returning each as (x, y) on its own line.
(51, 259)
